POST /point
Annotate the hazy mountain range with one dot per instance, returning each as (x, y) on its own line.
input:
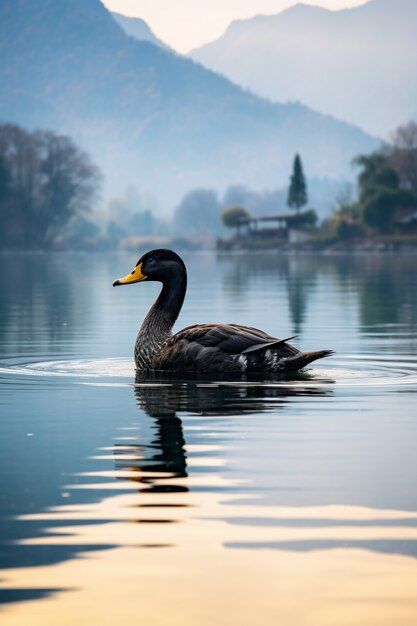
(358, 64)
(150, 117)
(137, 28)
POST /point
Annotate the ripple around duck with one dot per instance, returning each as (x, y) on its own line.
(343, 371)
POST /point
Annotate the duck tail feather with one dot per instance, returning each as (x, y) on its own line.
(303, 359)
(266, 346)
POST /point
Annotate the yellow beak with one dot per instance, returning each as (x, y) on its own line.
(134, 277)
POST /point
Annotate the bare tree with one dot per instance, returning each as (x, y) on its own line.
(20, 154)
(402, 154)
(49, 181)
(69, 183)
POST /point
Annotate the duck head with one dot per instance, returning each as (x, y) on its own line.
(157, 265)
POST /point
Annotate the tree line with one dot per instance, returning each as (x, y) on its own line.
(45, 181)
(386, 194)
(48, 186)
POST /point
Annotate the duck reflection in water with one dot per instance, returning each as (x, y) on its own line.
(164, 456)
(161, 462)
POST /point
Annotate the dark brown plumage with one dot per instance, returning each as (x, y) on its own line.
(203, 348)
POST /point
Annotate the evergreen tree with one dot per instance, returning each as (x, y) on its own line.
(297, 192)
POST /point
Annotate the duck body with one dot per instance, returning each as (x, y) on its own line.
(229, 348)
(202, 348)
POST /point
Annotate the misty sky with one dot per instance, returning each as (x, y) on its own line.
(186, 24)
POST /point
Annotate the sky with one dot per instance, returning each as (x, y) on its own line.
(187, 24)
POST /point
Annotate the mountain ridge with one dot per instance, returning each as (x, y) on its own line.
(357, 64)
(150, 117)
(137, 28)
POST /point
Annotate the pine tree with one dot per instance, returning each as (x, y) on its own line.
(297, 192)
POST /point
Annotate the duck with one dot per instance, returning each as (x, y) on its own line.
(202, 348)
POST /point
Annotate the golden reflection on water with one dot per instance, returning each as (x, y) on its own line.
(203, 568)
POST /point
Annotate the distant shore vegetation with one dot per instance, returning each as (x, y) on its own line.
(50, 188)
(383, 213)
(46, 184)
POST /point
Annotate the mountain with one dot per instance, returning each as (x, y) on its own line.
(137, 28)
(358, 64)
(150, 117)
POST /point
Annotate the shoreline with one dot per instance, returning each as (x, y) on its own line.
(378, 245)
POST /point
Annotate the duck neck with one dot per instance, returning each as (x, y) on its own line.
(157, 325)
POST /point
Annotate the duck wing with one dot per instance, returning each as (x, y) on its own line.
(229, 338)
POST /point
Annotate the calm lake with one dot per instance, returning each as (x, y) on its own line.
(208, 502)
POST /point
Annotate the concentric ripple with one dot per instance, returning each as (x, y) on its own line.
(342, 371)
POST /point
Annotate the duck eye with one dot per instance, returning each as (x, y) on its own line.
(150, 261)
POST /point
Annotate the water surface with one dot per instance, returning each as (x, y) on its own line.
(208, 501)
